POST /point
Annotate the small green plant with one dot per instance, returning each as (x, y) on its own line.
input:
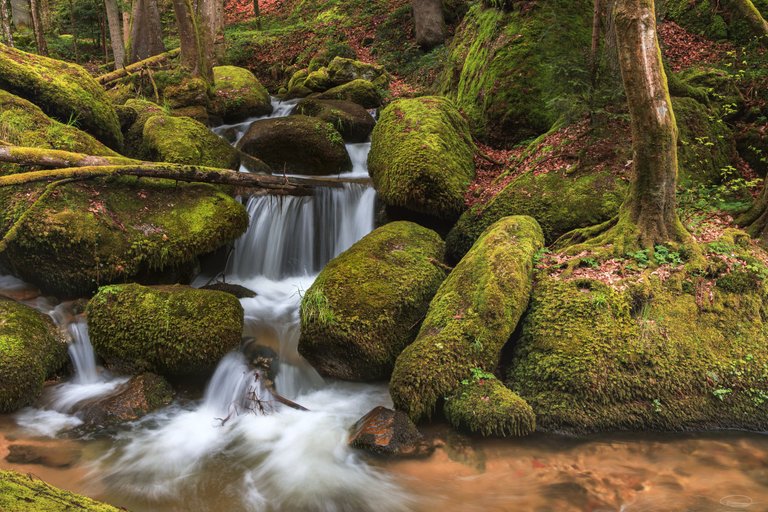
(657, 405)
(721, 393)
(662, 255)
(478, 374)
(640, 257)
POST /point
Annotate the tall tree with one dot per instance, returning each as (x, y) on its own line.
(38, 27)
(195, 46)
(146, 32)
(115, 32)
(5, 20)
(212, 17)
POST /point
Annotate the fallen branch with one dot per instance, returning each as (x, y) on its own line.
(137, 66)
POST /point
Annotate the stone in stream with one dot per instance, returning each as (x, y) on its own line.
(49, 456)
(389, 433)
(297, 145)
(357, 91)
(238, 95)
(26, 493)
(353, 122)
(138, 397)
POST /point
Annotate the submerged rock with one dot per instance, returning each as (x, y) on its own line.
(238, 95)
(169, 330)
(297, 145)
(48, 456)
(367, 303)
(136, 398)
(470, 319)
(183, 140)
(25, 493)
(31, 349)
(62, 90)
(421, 157)
(389, 433)
(352, 121)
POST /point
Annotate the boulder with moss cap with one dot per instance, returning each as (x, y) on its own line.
(237, 94)
(352, 121)
(366, 304)
(25, 493)
(182, 140)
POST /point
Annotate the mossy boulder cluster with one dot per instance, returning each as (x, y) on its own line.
(366, 305)
(31, 349)
(237, 94)
(64, 91)
(23, 493)
(169, 330)
(470, 319)
(183, 140)
(706, 19)
(342, 79)
(422, 157)
(298, 145)
(352, 121)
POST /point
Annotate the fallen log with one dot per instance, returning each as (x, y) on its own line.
(135, 67)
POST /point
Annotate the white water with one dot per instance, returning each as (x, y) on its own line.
(234, 132)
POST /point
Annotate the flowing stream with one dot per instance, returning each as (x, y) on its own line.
(237, 449)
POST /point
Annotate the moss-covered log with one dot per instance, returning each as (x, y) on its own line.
(137, 66)
(470, 319)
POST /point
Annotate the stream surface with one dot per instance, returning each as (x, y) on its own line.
(218, 451)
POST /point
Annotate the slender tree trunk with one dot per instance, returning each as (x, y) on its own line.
(594, 54)
(749, 13)
(146, 37)
(37, 27)
(126, 24)
(257, 13)
(650, 206)
(115, 32)
(194, 55)
(5, 19)
(212, 16)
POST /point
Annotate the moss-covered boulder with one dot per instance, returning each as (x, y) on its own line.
(63, 91)
(483, 405)
(31, 349)
(366, 304)
(422, 157)
(342, 70)
(560, 201)
(134, 134)
(23, 123)
(237, 94)
(182, 140)
(25, 493)
(516, 73)
(169, 330)
(352, 121)
(297, 144)
(188, 92)
(103, 231)
(474, 313)
(687, 353)
(357, 91)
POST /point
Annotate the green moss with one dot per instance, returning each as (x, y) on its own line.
(645, 355)
(470, 319)
(516, 73)
(189, 92)
(182, 140)
(31, 349)
(357, 91)
(63, 91)
(104, 231)
(366, 305)
(23, 493)
(485, 406)
(237, 94)
(560, 201)
(341, 71)
(705, 18)
(318, 80)
(172, 330)
(421, 157)
(134, 135)
(352, 121)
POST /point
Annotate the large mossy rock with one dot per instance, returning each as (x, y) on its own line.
(357, 91)
(169, 330)
(238, 95)
(422, 157)
(26, 493)
(134, 134)
(474, 313)
(103, 231)
(352, 121)
(182, 140)
(685, 354)
(560, 201)
(516, 73)
(23, 123)
(31, 349)
(63, 91)
(366, 304)
(297, 145)
(342, 70)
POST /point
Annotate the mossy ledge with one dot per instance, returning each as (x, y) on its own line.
(169, 330)
(366, 305)
(474, 313)
(24, 493)
(422, 157)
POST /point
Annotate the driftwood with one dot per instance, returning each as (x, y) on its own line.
(138, 66)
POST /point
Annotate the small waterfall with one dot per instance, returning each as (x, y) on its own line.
(234, 132)
(81, 353)
(358, 153)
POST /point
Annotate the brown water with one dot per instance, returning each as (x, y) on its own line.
(716, 472)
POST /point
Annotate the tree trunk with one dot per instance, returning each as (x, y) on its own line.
(257, 13)
(594, 56)
(115, 32)
(22, 17)
(37, 27)
(146, 37)
(749, 13)
(212, 15)
(194, 55)
(5, 19)
(429, 23)
(137, 66)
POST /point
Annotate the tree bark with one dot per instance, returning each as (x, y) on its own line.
(5, 19)
(37, 27)
(257, 13)
(146, 37)
(749, 13)
(115, 32)
(212, 14)
(429, 23)
(194, 55)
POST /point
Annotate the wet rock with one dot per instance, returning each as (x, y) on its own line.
(357, 91)
(352, 121)
(24, 493)
(182, 140)
(297, 145)
(49, 456)
(238, 94)
(136, 398)
(429, 23)
(241, 292)
(389, 433)
(262, 358)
